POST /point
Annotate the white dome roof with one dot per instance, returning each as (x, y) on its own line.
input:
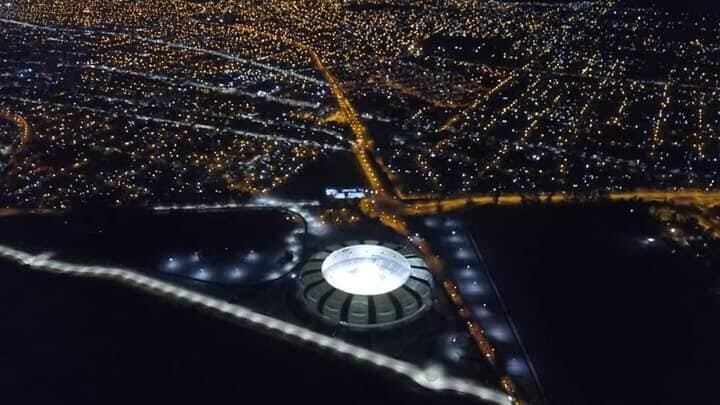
(366, 269)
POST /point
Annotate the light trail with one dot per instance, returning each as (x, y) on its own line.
(427, 378)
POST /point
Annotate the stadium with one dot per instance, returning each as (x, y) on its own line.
(366, 285)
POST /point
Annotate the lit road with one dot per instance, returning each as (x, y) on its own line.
(390, 210)
(474, 291)
(25, 130)
(25, 136)
(438, 205)
(199, 126)
(416, 93)
(260, 322)
(363, 144)
(480, 101)
(212, 52)
(386, 202)
(385, 207)
(223, 90)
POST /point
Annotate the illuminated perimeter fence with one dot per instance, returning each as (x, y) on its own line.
(429, 378)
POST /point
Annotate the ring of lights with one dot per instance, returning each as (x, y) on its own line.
(366, 284)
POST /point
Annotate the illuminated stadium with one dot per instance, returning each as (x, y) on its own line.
(366, 284)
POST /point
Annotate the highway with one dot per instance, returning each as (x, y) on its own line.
(362, 145)
(384, 203)
(389, 210)
(212, 52)
(391, 207)
(259, 322)
(195, 125)
(436, 205)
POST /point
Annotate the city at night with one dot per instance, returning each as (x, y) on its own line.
(360, 202)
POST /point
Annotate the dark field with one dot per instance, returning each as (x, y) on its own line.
(85, 341)
(70, 340)
(606, 319)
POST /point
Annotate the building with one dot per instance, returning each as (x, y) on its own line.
(366, 284)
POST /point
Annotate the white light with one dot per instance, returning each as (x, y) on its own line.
(172, 264)
(439, 380)
(237, 273)
(253, 256)
(366, 269)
